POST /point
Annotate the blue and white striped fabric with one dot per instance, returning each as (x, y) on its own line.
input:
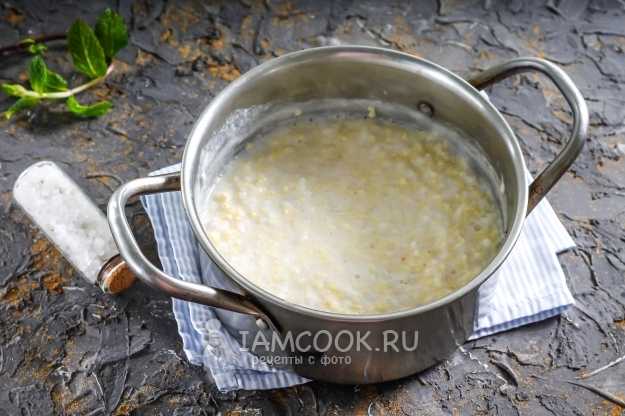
(529, 287)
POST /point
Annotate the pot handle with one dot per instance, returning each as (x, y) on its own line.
(552, 173)
(148, 273)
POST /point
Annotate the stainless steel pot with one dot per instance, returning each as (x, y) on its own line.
(352, 73)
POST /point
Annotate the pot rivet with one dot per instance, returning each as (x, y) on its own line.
(426, 108)
(261, 324)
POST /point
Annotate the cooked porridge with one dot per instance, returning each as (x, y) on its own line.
(353, 216)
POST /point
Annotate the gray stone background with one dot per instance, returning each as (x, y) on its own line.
(65, 348)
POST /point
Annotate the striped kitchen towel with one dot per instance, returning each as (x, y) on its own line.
(530, 286)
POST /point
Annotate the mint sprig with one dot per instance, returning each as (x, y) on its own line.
(92, 54)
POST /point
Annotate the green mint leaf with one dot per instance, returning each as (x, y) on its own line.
(55, 82)
(21, 104)
(14, 90)
(111, 31)
(37, 74)
(86, 50)
(33, 47)
(93, 110)
(44, 80)
(37, 48)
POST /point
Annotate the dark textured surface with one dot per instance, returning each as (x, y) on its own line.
(67, 349)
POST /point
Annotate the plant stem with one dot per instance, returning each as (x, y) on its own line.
(20, 47)
(68, 93)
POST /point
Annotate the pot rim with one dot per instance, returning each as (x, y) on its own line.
(193, 147)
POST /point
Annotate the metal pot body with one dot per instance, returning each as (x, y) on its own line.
(339, 76)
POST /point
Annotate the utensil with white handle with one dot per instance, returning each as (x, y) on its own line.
(76, 226)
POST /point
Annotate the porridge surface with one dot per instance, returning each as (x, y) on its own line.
(353, 216)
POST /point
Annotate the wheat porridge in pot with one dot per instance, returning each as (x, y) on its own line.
(353, 216)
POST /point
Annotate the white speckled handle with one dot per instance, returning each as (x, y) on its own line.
(67, 216)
